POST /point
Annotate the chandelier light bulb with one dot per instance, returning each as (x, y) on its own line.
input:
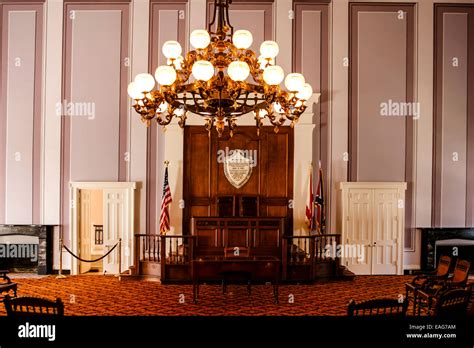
(273, 75)
(200, 38)
(172, 49)
(203, 70)
(242, 39)
(238, 71)
(165, 75)
(294, 82)
(133, 91)
(269, 49)
(144, 82)
(305, 93)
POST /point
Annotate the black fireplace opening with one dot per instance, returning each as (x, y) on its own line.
(21, 253)
(458, 243)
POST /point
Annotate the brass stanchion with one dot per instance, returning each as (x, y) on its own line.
(119, 258)
(60, 275)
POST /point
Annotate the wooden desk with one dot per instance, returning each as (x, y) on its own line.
(212, 268)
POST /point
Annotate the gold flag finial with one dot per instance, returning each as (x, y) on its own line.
(167, 163)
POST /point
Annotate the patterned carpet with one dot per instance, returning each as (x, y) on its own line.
(106, 295)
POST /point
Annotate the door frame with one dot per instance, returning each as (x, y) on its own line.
(127, 242)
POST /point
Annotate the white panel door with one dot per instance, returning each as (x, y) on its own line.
(84, 230)
(385, 232)
(359, 231)
(115, 222)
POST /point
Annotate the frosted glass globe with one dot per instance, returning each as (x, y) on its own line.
(305, 93)
(203, 70)
(200, 39)
(133, 91)
(165, 75)
(269, 49)
(294, 82)
(172, 49)
(238, 71)
(273, 75)
(144, 82)
(242, 39)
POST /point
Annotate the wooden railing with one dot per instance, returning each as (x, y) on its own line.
(307, 251)
(177, 249)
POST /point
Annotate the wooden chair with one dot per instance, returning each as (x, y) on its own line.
(452, 304)
(33, 306)
(378, 307)
(427, 297)
(441, 272)
(7, 285)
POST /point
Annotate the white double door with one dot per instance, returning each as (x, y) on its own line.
(374, 229)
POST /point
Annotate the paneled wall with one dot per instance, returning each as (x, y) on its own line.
(311, 58)
(381, 104)
(454, 117)
(358, 54)
(169, 21)
(95, 105)
(21, 44)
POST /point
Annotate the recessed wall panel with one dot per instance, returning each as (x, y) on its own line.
(20, 120)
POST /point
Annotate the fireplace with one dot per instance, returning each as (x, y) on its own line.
(26, 248)
(441, 241)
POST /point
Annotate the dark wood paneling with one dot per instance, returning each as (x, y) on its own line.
(440, 113)
(271, 179)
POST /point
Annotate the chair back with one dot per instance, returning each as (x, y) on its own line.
(461, 272)
(443, 266)
(33, 306)
(453, 303)
(378, 307)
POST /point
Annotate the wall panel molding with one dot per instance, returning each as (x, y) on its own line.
(168, 21)
(381, 146)
(311, 58)
(453, 132)
(95, 78)
(21, 45)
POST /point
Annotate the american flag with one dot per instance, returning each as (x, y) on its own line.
(165, 202)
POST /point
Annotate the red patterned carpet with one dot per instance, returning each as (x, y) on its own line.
(106, 295)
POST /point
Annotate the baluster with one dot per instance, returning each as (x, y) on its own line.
(158, 253)
(177, 249)
(171, 250)
(152, 241)
(305, 248)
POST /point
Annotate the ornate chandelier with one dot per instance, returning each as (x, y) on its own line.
(215, 81)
